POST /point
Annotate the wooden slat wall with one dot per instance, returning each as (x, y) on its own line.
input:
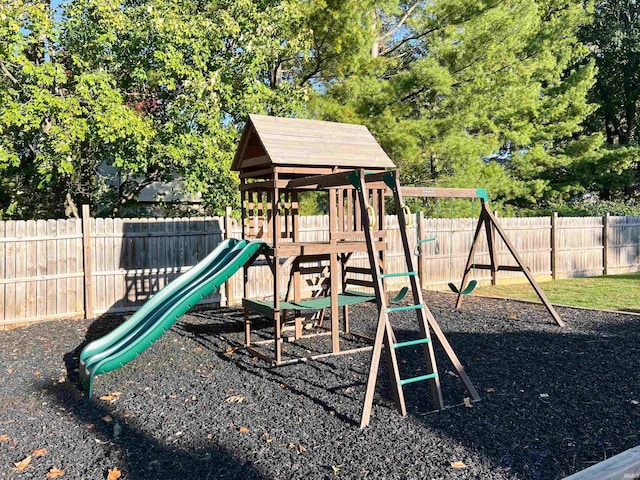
(580, 247)
(624, 244)
(41, 262)
(136, 257)
(40, 270)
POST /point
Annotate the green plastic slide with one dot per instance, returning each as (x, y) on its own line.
(161, 311)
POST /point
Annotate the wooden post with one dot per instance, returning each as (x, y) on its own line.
(491, 239)
(605, 244)
(422, 259)
(87, 261)
(554, 246)
(334, 272)
(228, 285)
(276, 231)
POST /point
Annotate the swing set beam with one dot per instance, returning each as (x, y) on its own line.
(491, 226)
(423, 192)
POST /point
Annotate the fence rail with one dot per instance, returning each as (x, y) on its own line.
(75, 268)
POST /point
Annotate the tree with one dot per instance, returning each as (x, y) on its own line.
(473, 93)
(614, 40)
(145, 90)
(56, 127)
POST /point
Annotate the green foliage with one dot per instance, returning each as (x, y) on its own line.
(459, 81)
(113, 96)
(592, 208)
(614, 40)
(107, 97)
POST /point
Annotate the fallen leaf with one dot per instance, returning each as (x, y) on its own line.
(335, 469)
(37, 373)
(210, 436)
(5, 438)
(513, 317)
(90, 426)
(55, 473)
(243, 430)
(24, 463)
(467, 402)
(301, 449)
(198, 349)
(490, 390)
(107, 418)
(229, 351)
(114, 474)
(38, 452)
(111, 396)
(458, 465)
(234, 399)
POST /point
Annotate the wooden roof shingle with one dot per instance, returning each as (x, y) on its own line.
(308, 143)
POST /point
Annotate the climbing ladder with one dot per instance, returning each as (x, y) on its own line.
(385, 338)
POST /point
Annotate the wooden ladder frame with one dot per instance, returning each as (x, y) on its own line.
(384, 333)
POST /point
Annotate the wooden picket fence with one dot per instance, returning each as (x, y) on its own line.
(75, 268)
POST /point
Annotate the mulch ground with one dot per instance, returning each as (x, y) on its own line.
(554, 401)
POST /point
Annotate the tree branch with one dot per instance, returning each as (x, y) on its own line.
(8, 74)
(400, 22)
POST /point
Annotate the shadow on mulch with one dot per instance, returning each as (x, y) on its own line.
(169, 463)
(146, 457)
(553, 399)
(551, 402)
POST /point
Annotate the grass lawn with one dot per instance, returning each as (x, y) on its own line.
(613, 292)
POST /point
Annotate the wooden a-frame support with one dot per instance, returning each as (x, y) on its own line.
(491, 227)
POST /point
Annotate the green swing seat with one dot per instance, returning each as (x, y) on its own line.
(468, 289)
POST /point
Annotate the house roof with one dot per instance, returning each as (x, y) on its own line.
(278, 141)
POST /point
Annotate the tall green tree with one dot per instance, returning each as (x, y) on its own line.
(474, 93)
(614, 41)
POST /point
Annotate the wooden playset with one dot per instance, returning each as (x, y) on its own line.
(277, 159)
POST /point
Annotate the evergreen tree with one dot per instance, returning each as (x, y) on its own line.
(475, 93)
(614, 41)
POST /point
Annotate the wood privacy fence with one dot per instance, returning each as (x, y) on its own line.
(86, 267)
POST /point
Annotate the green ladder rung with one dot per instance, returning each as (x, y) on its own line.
(430, 239)
(417, 379)
(399, 274)
(402, 309)
(410, 343)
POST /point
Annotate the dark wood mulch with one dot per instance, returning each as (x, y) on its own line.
(554, 401)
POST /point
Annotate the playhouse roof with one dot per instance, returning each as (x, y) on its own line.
(276, 141)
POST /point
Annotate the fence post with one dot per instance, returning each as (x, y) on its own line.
(228, 285)
(87, 264)
(554, 245)
(605, 244)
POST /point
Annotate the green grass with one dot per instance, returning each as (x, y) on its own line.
(613, 292)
